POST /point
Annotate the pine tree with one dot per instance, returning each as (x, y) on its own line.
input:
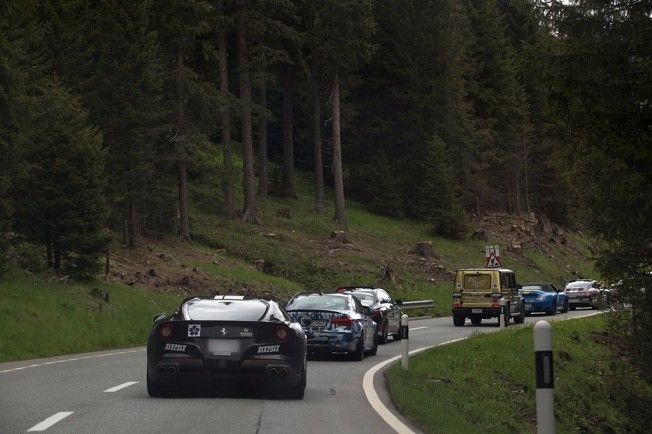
(436, 198)
(341, 40)
(499, 103)
(60, 199)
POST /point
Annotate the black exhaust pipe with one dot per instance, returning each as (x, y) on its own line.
(272, 372)
(172, 370)
(160, 370)
(283, 372)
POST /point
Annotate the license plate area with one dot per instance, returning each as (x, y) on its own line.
(223, 347)
(476, 310)
(318, 323)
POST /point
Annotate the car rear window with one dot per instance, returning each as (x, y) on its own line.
(477, 281)
(580, 285)
(319, 302)
(224, 310)
(364, 296)
(532, 287)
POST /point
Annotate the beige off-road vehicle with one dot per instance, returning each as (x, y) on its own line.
(480, 294)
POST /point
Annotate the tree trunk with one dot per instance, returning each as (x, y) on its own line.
(526, 180)
(288, 136)
(320, 200)
(340, 212)
(249, 211)
(131, 225)
(179, 140)
(263, 183)
(57, 257)
(229, 201)
(49, 255)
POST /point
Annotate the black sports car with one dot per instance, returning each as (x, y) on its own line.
(384, 311)
(335, 323)
(226, 338)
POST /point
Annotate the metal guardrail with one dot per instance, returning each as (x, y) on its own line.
(417, 304)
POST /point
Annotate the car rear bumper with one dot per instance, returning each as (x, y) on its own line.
(331, 341)
(537, 306)
(485, 312)
(275, 370)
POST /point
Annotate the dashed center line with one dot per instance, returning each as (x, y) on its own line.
(418, 328)
(47, 423)
(54, 362)
(121, 386)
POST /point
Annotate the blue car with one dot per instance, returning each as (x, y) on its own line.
(335, 324)
(543, 297)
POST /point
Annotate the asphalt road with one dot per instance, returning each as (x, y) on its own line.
(104, 392)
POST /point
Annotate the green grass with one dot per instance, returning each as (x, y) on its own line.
(486, 384)
(40, 318)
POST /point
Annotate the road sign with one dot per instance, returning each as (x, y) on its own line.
(492, 256)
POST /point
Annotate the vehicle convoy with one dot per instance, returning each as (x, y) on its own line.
(335, 324)
(215, 340)
(478, 293)
(586, 293)
(543, 297)
(384, 311)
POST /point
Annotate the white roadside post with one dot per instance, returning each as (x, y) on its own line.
(405, 342)
(501, 318)
(545, 377)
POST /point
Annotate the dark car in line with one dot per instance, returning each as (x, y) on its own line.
(543, 297)
(335, 324)
(384, 311)
(226, 339)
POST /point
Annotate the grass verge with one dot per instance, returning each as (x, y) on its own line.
(486, 384)
(40, 318)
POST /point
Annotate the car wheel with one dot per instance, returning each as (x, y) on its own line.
(458, 320)
(553, 309)
(476, 319)
(565, 308)
(384, 336)
(297, 392)
(573, 307)
(521, 318)
(358, 353)
(156, 390)
(374, 349)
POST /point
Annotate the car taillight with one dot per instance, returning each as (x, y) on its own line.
(165, 331)
(342, 321)
(282, 333)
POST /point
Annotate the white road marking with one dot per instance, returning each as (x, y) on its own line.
(418, 328)
(372, 395)
(47, 423)
(71, 360)
(121, 386)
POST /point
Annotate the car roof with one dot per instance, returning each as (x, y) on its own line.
(502, 270)
(537, 283)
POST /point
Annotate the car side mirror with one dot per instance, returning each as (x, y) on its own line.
(158, 317)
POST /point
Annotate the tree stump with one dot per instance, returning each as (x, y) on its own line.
(424, 248)
(387, 274)
(340, 236)
(259, 264)
(480, 234)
